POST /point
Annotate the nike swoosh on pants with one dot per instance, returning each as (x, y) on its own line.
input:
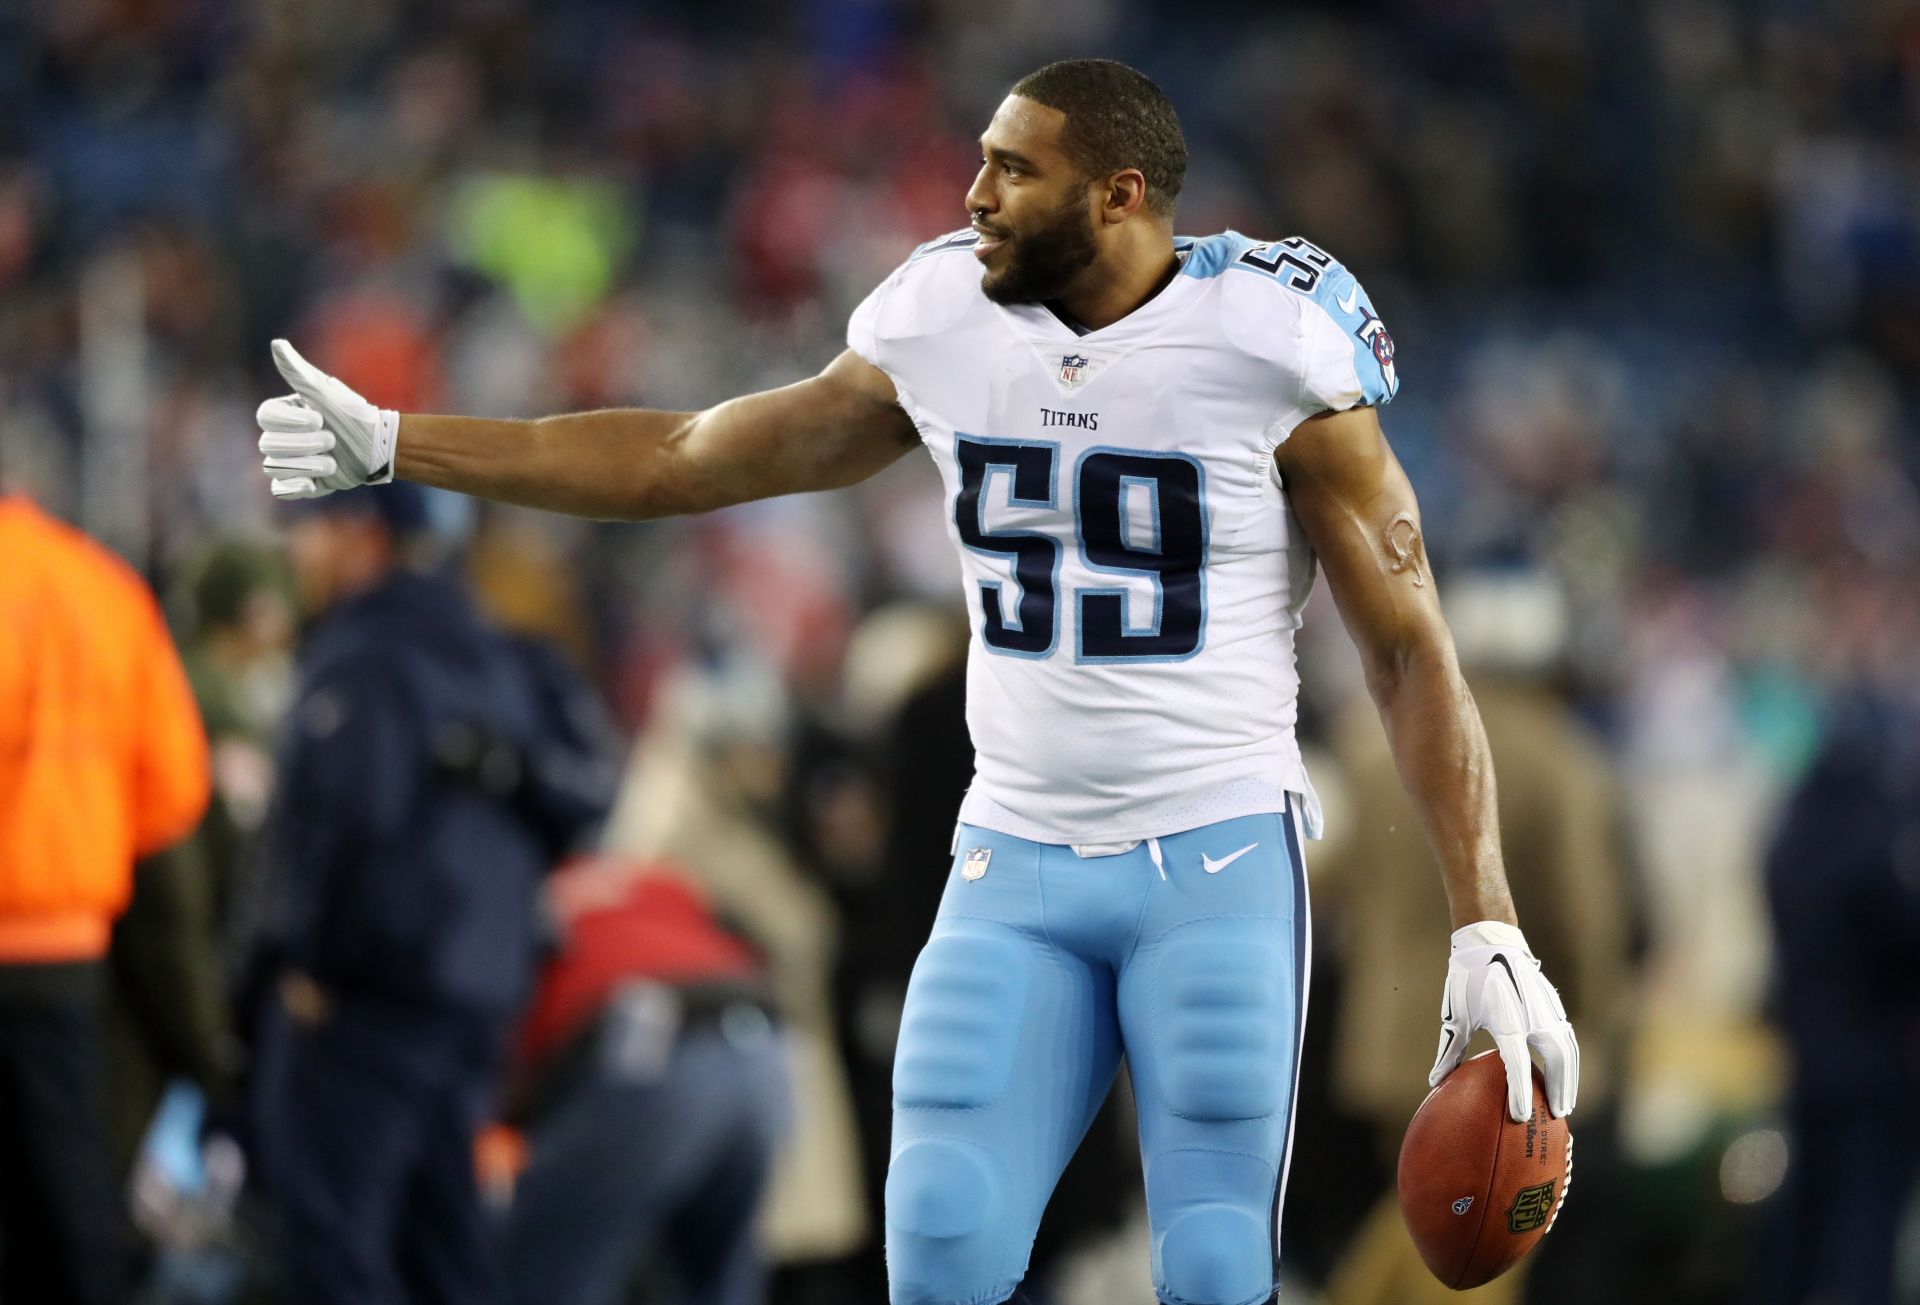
(1214, 867)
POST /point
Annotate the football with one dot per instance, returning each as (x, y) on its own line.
(1477, 1190)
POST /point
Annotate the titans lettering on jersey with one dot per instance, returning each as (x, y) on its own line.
(1133, 575)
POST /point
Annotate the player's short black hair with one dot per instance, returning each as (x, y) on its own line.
(1116, 118)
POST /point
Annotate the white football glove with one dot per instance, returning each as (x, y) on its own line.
(323, 436)
(1493, 983)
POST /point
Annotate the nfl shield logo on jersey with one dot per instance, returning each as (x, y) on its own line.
(1073, 369)
(976, 862)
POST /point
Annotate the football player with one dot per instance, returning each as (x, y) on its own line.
(1147, 442)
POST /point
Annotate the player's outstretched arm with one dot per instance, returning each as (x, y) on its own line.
(826, 432)
(1358, 510)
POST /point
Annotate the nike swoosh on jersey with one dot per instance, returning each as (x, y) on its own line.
(1351, 299)
(1214, 867)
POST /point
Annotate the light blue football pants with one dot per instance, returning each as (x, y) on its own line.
(1187, 954)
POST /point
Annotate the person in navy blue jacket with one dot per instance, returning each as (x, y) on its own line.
(434, 769)
(1843, 881)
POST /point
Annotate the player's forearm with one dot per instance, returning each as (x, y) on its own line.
(1440, 749)
(622, 464)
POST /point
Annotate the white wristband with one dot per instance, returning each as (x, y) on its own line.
(1489, 933)
(386, 438)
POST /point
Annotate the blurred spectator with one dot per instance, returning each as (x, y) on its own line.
(434, 771)
(925, 763)
(102, 760)
(169, 1017)
(704, 794)
(1561, 823)
(1843, 879)
(652, 1094)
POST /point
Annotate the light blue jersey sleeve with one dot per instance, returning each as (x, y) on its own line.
(1349, 350)
(1345, 351)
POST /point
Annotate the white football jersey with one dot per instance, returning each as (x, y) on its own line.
(1133, 575)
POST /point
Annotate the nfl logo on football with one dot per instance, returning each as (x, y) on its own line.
(1073, 369)
(976, 862)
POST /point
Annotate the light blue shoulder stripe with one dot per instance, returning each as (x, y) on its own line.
(1209, 256)
(1345, 301)
(1306, 269)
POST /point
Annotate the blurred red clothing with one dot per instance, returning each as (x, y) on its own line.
(623, 921)
(380, 343)
(103, 758)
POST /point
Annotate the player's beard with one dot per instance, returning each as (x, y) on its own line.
(1042, 263)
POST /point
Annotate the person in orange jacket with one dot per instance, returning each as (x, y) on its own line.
(102, 760)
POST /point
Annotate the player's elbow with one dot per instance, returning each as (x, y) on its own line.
(1412, 658)
(613, 503)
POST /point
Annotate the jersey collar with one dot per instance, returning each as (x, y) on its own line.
(1076, 358)
(1042, 322)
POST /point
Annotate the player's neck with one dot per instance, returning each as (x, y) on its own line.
(1117, 284)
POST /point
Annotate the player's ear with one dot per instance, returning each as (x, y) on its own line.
(1126, 192)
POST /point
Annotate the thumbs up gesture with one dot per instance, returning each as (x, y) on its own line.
(323, 436)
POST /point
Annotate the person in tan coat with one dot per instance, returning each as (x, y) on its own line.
(705, 774)
(1563, 828)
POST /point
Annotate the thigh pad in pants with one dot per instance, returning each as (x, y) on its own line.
(961, 1024)
(1223, 1004)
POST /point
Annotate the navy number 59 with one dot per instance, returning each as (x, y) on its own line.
(1108, 484)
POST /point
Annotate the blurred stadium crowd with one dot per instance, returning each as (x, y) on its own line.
(1654, 275)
